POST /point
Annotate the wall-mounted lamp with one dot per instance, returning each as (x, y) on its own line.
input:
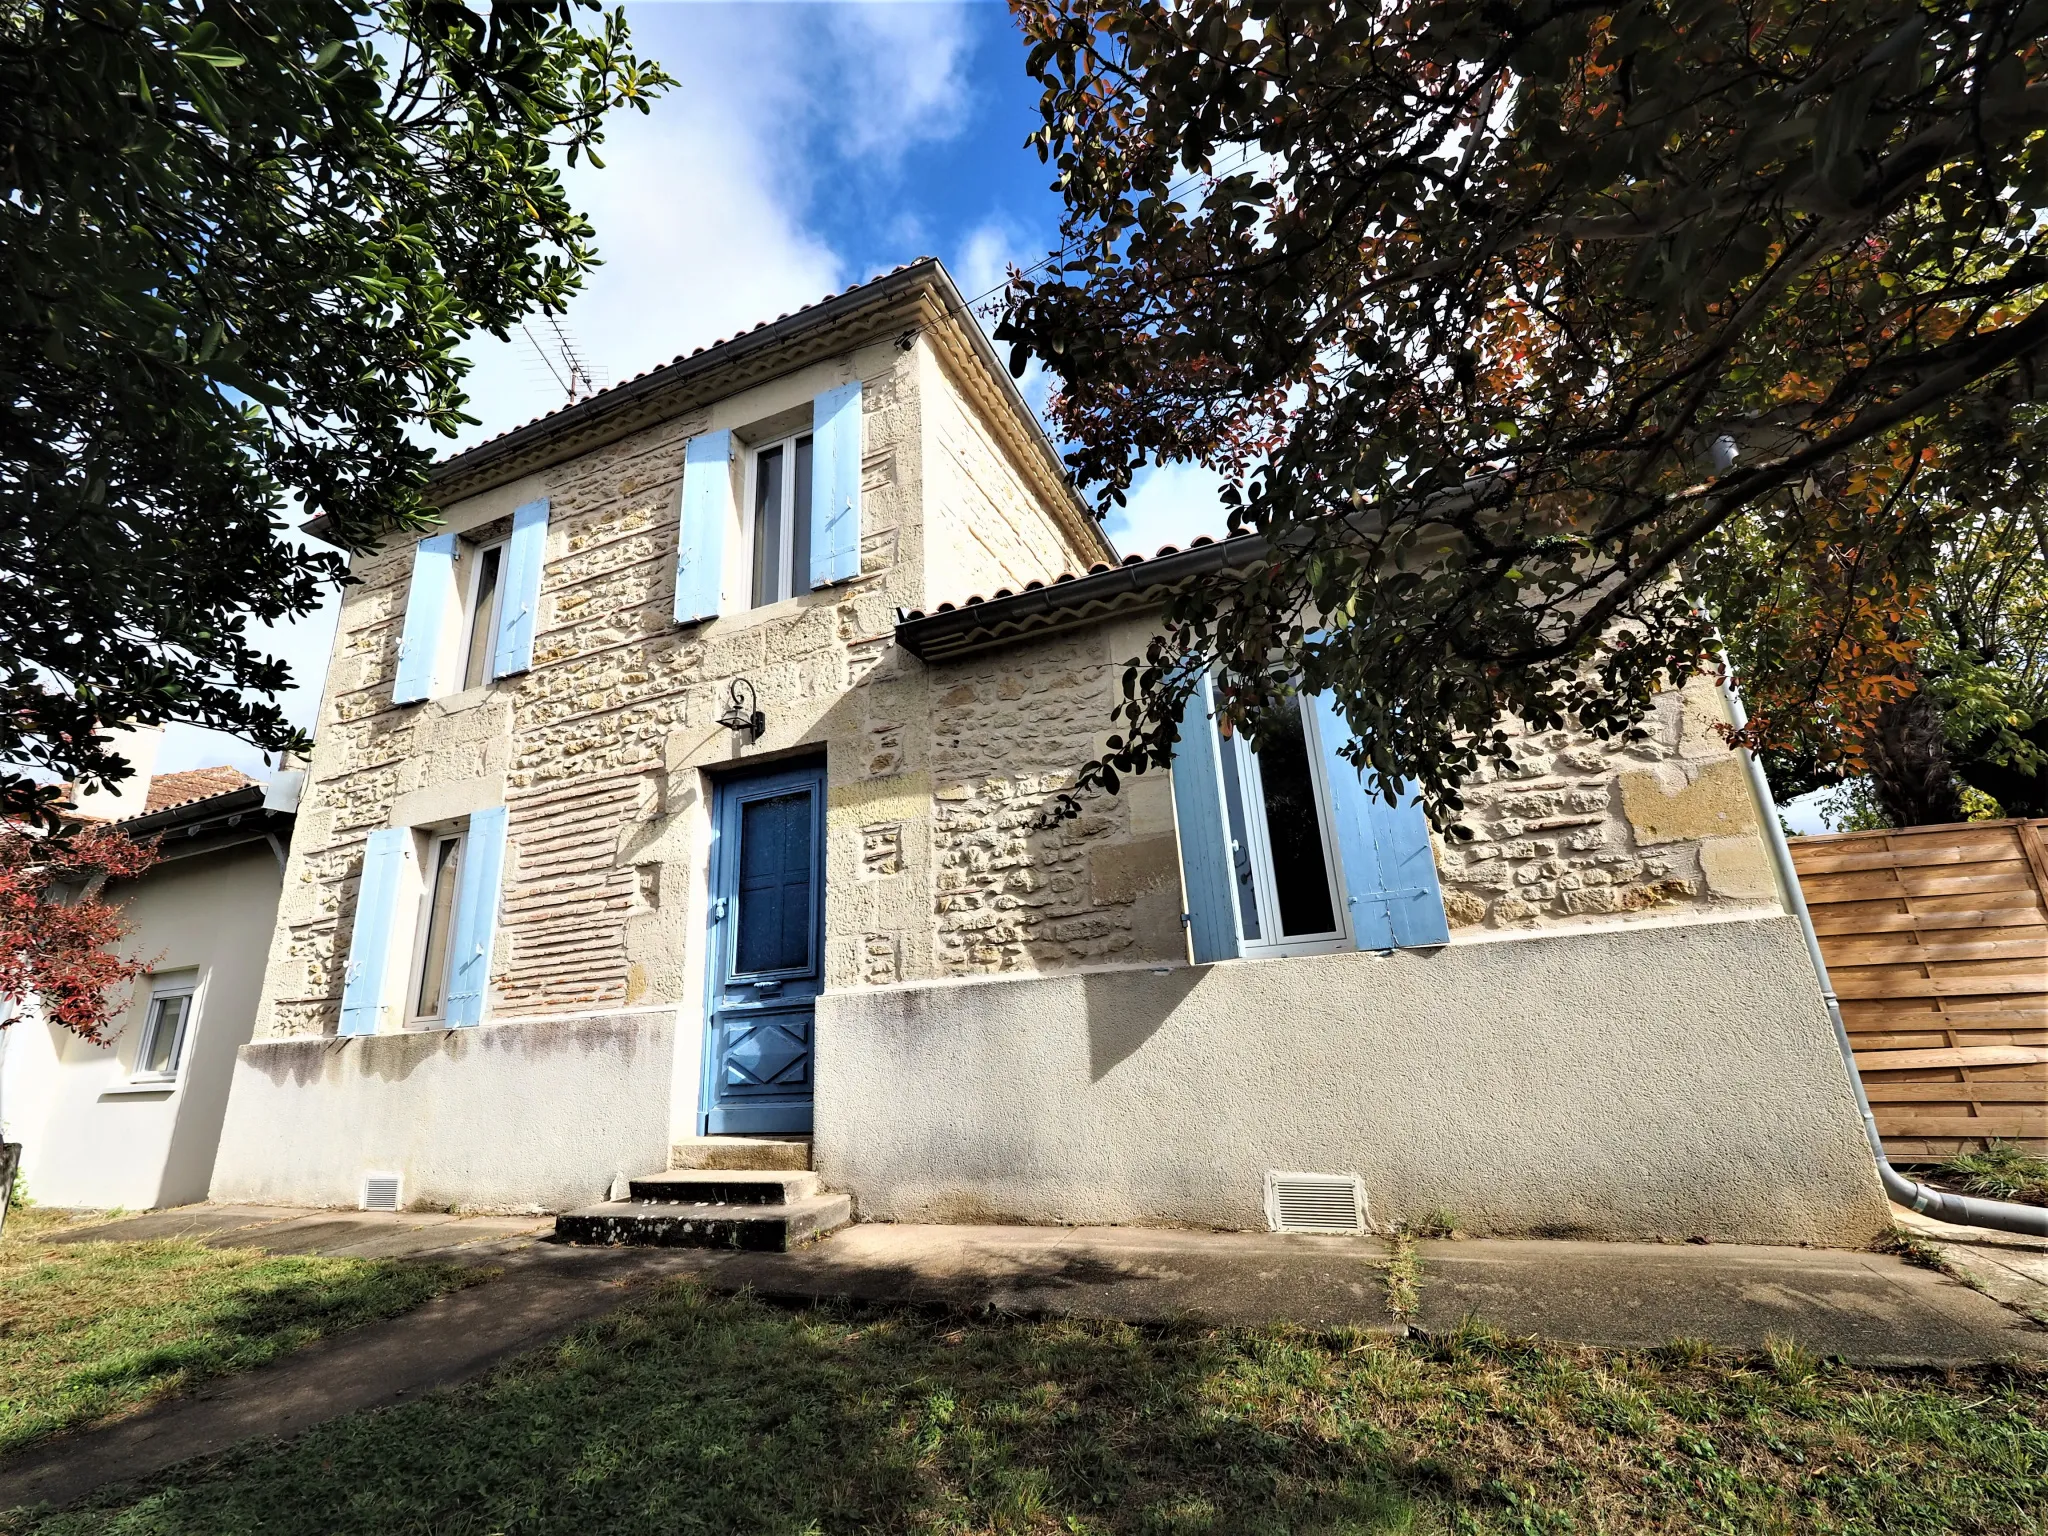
(744, 714)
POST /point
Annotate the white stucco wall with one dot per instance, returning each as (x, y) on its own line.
(539, 1114)
(89, 1138)
(1663, 1082)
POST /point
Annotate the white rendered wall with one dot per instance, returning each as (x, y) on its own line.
(536, 1114)
(1665, 1082)
(88, 1137)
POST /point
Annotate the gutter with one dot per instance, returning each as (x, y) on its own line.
(1957, 1210)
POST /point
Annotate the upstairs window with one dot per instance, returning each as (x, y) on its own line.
(481, 600)
(1283, 854)
(779, 520)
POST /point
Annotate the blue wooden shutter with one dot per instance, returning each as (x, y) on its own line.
(1207, 873)
(426, 611)
(519, 599)
(476, 916)
(1390, 879)
(707, 509)
(835, 485)
(369, 944)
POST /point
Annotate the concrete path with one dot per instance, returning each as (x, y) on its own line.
(1870, 1309)
(2004, 1265)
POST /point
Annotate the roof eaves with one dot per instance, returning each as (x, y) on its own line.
(1069, 602)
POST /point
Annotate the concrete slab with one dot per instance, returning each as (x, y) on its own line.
(194, 1221)
(1871, 1309)
(1135, 1273)
(2006, 1266)
(543, 1293)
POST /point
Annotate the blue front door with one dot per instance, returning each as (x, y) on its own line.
(767, 949)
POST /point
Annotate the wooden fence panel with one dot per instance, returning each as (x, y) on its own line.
(1936, 939)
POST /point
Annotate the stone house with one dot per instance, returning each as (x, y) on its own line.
(688, 785)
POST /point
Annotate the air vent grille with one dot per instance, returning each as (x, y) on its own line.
(1315, 1202)
(380, 1191)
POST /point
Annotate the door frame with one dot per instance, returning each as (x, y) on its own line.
(728, 791)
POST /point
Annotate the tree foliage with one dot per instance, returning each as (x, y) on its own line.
(1536, 335)
(59, 938)
(239, 246)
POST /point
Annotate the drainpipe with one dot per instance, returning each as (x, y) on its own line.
(1958, 1210)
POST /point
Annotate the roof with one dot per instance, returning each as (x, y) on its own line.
(1069, 601)
(174, 789)
(922, 291)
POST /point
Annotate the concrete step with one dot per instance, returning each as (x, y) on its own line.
(674, 1224)
(713, 1186)
(741, 1152)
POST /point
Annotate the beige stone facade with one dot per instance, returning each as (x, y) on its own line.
(939, 865)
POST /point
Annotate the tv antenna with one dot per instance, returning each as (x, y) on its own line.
(563, 359)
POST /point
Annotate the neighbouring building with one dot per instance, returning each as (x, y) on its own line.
(135, 1123)
(690, 782)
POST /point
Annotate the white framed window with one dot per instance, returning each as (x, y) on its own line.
(778, 520)
(173, 998)
(433, 943)
(483, 584)
(1290, 884)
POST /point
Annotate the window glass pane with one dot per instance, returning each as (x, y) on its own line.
(483, 619)
(1301, 880)
(1240, 844)
(769, 584)
(160, 1043)
(774, 906)
(800, 520)
(440, 914)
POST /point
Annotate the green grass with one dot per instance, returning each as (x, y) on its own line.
(92, 1330)
(687, 1413)
(2001, 1172)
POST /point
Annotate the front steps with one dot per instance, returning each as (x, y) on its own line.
(734, 1152)
(741, 1194)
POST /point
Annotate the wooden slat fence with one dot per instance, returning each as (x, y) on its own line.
(1936, 939)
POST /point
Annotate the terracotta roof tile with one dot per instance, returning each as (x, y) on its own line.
(172, 789)
(681, 357)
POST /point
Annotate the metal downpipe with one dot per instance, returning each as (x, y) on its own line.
(1959, 1210)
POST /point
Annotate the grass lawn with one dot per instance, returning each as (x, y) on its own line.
(90, 1330)
(687, 1413)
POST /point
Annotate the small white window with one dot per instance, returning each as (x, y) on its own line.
(779, 520)
(442, 873)
(482, 589)
(169, 1021)
(1289, 885)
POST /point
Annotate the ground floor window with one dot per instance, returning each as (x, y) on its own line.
(1288, 886)
(443, 874)
(164, 1029)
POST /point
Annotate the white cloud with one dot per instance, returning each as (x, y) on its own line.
(897, 76)
(1169, 504)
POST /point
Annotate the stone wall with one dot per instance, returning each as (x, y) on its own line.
(1656, 826)
(1008, 730)
(988, 527)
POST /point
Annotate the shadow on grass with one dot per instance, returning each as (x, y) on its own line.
(96, 1330)
(689, 1413)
